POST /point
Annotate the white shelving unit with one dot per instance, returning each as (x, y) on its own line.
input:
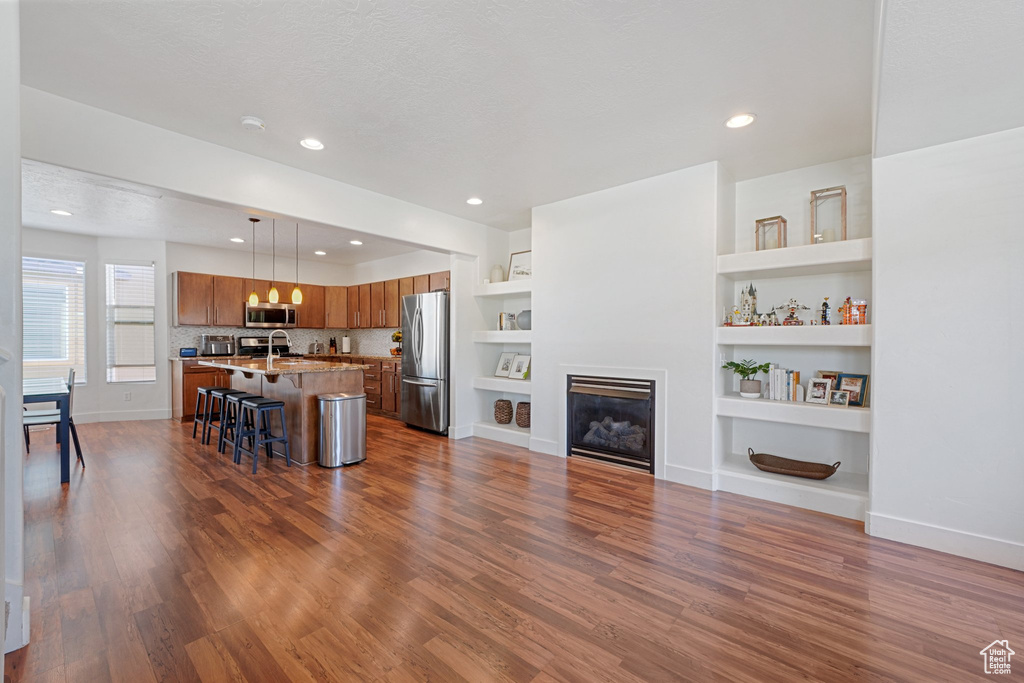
(504, 289)
(510, 433)
(805, 335)
(509, 386)
(848, 256)
(794, 413)
(502, 336)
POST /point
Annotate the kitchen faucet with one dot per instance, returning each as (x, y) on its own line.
(270, 347)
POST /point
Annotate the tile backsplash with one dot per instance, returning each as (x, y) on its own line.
(366, 342)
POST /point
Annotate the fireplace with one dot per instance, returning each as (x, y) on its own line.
(611, 419)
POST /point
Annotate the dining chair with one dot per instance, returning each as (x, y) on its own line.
(33, 418)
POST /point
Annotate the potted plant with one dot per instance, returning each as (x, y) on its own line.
(749, 388)
(396, 337)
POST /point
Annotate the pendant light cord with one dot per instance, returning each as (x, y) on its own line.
(273, 252)
(296, 253)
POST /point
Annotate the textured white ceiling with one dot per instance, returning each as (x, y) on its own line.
(113, 208)
(520, 103)
(949, 70)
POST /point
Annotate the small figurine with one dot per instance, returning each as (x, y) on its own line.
(763, 320)
(737, 318)
(792, 306)
(773, 319)
(748, 304)
(847, 311)
(825, 320)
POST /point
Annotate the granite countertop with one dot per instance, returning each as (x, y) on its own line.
(281, 366)
(351, 355)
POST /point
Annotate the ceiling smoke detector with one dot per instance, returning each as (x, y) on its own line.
(253, 124)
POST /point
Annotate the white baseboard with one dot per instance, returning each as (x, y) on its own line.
(544, 446)
(460, 432)
(123, 415)
(18, 621)
(975, 546)
(689, 476)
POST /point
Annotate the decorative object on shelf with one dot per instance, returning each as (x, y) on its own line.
(749, 388)
(817, 390)
(793, 468)
(396, 337)
(296, 292)
(826, 318)
(520, 266)
(506, 321)
(748, 314)
(839, 398)
(825, 230)
(769, 233)
(524, 320)
(503, 411)
(497, 273)
(829, 374)
(254, 298)
(854, 311)
(856, 385)
(792, 306)
(504, 364)
(520, 367)
(523, 414)
(272, 295)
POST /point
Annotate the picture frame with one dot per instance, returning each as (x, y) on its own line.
(839, 398)
(504, 364)
(520, 265)
(830, 374)
(520, 367)
(818, 390)
(857, 385)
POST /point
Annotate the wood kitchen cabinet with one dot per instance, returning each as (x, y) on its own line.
(391, 387)
(229, 295)
(194, 298)
(336, 307)
(392, 304)
(186, 379)
(421, 284)
(353, 307)
(440, 280)
(310, 314)
(376, 305)
(406, 286)
(365, 317)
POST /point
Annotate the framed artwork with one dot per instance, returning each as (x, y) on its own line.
(520, 266)
(857, 385)
(520, 367)
(817, 390)
(839, 398)
(504, 364)
(830, 374)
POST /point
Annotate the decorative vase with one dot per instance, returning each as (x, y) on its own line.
(525, 319)
(750, 388)
(523, 414)
(497, 273)
(503, 411)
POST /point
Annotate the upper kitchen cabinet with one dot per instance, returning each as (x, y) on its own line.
(311, 312)
(421, 284)
(376, 305)
(392, 304)
(336, 307)
(440, 280)
(406, 286)
(364, 317)
(229, 295)
(194, 294)
(353, 307)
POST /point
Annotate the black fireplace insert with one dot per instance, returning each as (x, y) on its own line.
(611, 419)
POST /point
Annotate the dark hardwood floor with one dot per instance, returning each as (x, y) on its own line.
(469, 560)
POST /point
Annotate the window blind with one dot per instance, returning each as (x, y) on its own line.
(131, 343)
(53, 303)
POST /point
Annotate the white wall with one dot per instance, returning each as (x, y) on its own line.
(947, 467)
(625, 278)
(415, 263)
(231, 262)
(11, 480)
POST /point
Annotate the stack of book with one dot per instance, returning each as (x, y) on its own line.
(784, 385)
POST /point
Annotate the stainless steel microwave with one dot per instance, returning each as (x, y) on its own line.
(270, 315)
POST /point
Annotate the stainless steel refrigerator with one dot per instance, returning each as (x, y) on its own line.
(425, 361)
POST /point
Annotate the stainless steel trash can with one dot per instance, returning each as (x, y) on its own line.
(342, 429)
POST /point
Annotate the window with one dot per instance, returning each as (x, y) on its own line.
(131, 344)
(53, 302)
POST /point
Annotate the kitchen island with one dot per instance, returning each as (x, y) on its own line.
(297, 382)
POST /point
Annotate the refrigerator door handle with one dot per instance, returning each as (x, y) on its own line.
(417, 329)
(428, 383)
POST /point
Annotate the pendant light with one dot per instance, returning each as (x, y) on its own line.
(272, 294)
(254, 298)
(296, 293)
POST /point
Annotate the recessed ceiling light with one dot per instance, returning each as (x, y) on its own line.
(60, 212)
(740, 120)
(239, 240)
(355, 242)
(311, 143)
(320, 253)
(475, 201)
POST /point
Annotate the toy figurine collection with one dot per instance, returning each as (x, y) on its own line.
(852, 312)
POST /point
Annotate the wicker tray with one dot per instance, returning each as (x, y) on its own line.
(795, 468)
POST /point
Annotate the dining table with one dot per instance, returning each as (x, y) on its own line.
(54, 390)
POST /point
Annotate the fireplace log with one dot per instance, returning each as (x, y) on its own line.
(619, 435)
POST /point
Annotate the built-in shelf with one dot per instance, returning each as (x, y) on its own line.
(512, 386)
(846, 256)
(848, 419)
(801, 335)
(844, 493)
(502, 336)
(503, 289)
(510, 433)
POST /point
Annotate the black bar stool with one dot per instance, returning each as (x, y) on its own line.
(255, 422)
(229, 421)
(214, 418)
(200, 415)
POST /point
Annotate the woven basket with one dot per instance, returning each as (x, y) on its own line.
(503, 411)
(523, 414)
(794, 468)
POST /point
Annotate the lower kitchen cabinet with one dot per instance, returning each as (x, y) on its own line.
(382, 382)
(186, 378)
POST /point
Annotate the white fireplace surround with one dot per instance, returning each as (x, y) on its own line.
(660, 378)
